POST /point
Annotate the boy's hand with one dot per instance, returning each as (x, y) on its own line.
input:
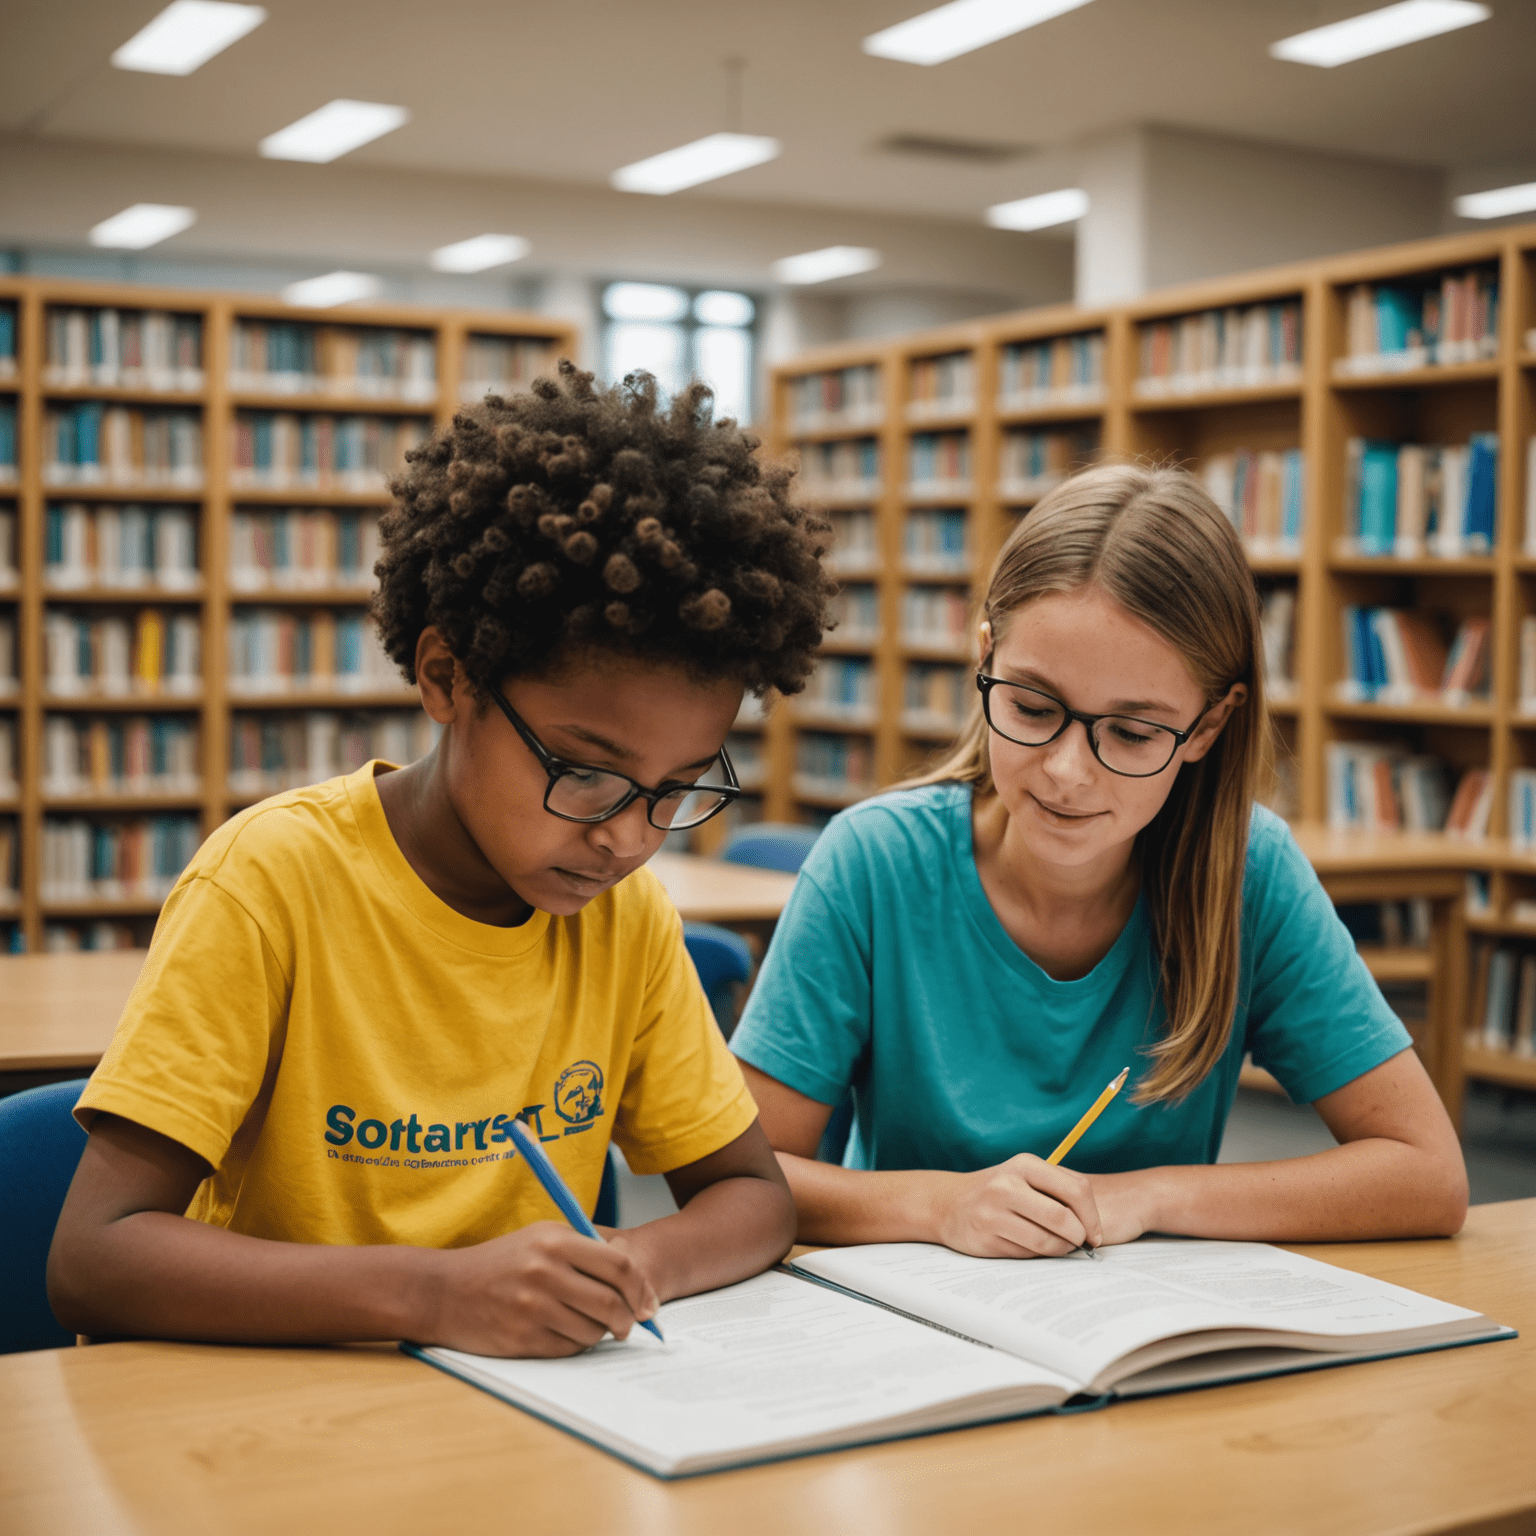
(542, 1290)
(1022, 1209)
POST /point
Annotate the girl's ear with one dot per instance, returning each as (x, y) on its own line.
(983, 641)
(444, 689)
(1210, 727)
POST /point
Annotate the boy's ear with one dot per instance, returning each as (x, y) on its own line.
(441, 680)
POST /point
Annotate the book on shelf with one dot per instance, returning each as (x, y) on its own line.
(9, 683)
(121, 755)
(72, 938)
(9, 765)
(1395, 924)
(847, 468)
(287, 357)
(1381, 787)
(1530, 495)
(91, 443)
(841, 688)
(1430, 322)
(1506, 990)
(940, 386)
(7, 442)
(1277, 626)
(154, 652)
(7, 341)
(120, 546)
(939, 464)
(835, 398)
(10, 861)
(833, 767)
(855, 545)
(275, 651)
(1412, 499)
(1263, 495)
(120, 860)
(1397, 656)
(1240, 347)
(937, 617)
(10, 575)
(1035, 460)
(291, 549)
(851, 1345)
(936, 542)
(746, 751)
(147, 349)
(856, 610)
(1527, 701)
(502, 365)
(1063, 370)
(935, 696)
(271, 752)
(1522, 808)
(286, 451)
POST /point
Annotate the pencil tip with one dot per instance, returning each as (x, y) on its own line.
(1119, 1082)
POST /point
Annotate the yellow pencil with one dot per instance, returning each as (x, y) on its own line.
(1095, 1109)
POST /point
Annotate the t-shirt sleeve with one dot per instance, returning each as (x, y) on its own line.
(201, 1035)
(684, 1096)
(1316, 1018)
(808, 1021)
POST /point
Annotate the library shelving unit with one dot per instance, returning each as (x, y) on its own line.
(1260, 383)
(190, 484)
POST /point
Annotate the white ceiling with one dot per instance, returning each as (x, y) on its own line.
(570, 89)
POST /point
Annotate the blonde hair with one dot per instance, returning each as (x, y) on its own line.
(1153, 541)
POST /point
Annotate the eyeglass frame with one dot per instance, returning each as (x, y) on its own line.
(558, 767)
(985, 683)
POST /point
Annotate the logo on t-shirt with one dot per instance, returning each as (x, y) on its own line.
(579, 1093)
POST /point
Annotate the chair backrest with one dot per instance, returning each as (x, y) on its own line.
(771, 845)
(40, 1147)
(722, 959)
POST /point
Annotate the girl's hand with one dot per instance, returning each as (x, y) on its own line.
(1023, 1209)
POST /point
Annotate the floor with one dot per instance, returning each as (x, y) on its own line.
(1498, 1138)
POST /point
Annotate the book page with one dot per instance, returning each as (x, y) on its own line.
(1079, 1315)
(770, 1364)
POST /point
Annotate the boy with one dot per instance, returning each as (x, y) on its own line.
(300, 1131)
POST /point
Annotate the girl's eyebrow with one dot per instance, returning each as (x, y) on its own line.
(1029, 675)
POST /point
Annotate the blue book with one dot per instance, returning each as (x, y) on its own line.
(1293, 468)
(1479, 522)
(1398, 319)
(1378, 498)
(88, 433)
(7, 331)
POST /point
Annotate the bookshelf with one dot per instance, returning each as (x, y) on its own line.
(186, 547)
(1260, 383)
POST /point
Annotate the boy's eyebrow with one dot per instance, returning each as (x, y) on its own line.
(617, 750)
(1028, 675)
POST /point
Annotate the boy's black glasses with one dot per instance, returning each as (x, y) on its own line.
(1135, 749)
(578, 793)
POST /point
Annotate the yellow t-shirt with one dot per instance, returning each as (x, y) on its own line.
(346, 1051)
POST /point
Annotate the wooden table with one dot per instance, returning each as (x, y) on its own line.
(711, 891)
(188, 1439)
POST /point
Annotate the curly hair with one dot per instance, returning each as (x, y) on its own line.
(578, 516)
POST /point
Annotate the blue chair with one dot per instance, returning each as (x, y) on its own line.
(771, 845)
(40, 1147)
(607, 1212)
(723, 961)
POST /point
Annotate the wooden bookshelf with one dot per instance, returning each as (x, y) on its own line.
(1315, 405)
(32, 388)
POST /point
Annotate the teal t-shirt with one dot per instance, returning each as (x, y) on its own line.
(890, 971)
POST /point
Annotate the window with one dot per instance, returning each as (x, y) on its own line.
(678, 334)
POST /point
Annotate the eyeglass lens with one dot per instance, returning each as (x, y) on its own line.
(588, 794)
(1123, 745)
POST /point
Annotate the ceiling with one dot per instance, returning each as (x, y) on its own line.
(568, 91)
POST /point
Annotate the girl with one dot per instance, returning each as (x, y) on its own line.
(1087, 884)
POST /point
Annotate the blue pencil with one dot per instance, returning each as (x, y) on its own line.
(554, 1186)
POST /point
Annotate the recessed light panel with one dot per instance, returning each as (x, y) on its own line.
(333, 130)
(1041, 212)
(142, 225)
(964, 25)
(1498, 202)
(1394, 26)
(479, 254)
(721, 154)
(333, 288)
(824, 265)
(185, 35)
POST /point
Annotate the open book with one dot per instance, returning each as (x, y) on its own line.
(850, 1345)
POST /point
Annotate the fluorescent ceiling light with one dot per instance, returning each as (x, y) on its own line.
(1040, 212)
(721, 154)
(1376, 31)
(959, 27)
(644, 301)
(479, 253)
(333, 288)
(333, 130)
(1498, 202)
(823, 265)
(185, 35)
(144, 224)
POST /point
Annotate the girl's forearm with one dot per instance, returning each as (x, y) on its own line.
(844, 1205)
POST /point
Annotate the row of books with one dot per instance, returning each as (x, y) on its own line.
(8, 673)
(95, 444)
(7, 341)
(10, 575)
(120, 546)
(72, 938)
(10, 861)
(842, 687)
(935, 542)
(855, 547)
(1277, 625)
(123, 349)
(1381, 787)
(1522, 808)
(1234, 348)
(1263, 494)
(7, 442)
(1528, 665)
(1035, 461)
(1412, 499)
(9, 766)
(935, 616)
(137, 859)
(935, 697)
(296, 550)
(273, 752)
(938, 459)
(277, 651)
(747, 758)
(120, 755)
(1391, 327)
(857, 611)
(848, 467)
(153, 653)
(369, 362)
(502, 365)
(1399, 656)
(1505, 986)
(281, 450)
(833, 767)
(940, 384)
(1066, 370)
(838, 397)
(1396, 924)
